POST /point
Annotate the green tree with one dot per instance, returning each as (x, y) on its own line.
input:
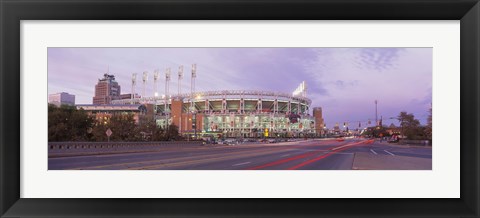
(98, 131)
(148, 127)
(172, 133)
(66, 123)
(123, 128)
(410, 127)
(428, 128)
(378, 131)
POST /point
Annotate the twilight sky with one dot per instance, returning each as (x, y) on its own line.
(345, 82)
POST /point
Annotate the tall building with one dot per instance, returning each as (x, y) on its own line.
(319, 123)
(61, 98)
(106, 90)
(129, 96)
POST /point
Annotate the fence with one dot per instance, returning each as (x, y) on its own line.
(85, 148)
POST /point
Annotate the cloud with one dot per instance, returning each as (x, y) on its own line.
(343, 81)
(377, 58)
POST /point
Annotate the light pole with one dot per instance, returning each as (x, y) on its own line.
(145, 78)
(376, 116)
(134, 82)
(194, 123)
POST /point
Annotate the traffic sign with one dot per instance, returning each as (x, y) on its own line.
(109, 132)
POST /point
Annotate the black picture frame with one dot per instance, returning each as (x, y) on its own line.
(13, 11)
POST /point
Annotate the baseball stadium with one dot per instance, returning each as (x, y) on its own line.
(233, 113)
(223, 113)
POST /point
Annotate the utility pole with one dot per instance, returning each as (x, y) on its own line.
(376, 115)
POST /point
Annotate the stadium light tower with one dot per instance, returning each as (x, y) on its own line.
(180, 77)
(192, 90)
(155, 79)
(192, 84)
(167, 83)
(134, 82)
(155, 92)
(166, 111)
(145, 78)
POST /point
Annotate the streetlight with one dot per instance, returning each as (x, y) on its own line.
(194, 123)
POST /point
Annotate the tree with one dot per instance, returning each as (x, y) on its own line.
(148, 127)
(378, 131)
(122, 125)
(428, 128)
(410, 127)
(66, 123)
(172, 133)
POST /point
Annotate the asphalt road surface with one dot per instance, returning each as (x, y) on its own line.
(328, 154)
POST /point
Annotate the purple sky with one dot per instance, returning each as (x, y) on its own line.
(345, 82)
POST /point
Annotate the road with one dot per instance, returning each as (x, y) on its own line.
(329, 154)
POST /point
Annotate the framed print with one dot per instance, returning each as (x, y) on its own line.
(239, 108)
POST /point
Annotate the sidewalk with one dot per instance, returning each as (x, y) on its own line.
(403, 145)
(369, 161)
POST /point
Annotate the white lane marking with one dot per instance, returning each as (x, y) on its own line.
(389, 152)
(375, 153)
(342, 153)
(240, 164)
(350, 144)
(285, 155)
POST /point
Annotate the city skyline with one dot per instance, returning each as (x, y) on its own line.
(345, 82)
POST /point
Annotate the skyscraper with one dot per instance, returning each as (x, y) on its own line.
(106, 90)
(61, 98)
(319, 123)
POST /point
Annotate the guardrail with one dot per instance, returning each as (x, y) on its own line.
(414, 142)
(55, 148)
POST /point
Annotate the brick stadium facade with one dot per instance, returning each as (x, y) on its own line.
(235, 113)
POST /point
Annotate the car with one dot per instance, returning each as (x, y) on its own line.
(230, 142)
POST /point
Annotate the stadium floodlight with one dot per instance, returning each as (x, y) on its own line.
(134, 78)
(180, 77)
(145, 78)
(192, 83)
(134, 83)
(155, 74)
(167, 74)
(167, 83)
(194, 70)
(155, 79)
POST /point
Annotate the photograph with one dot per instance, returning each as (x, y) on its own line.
(239, 108)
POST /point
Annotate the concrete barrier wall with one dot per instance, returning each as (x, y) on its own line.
(415, 142)
(114, 147)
